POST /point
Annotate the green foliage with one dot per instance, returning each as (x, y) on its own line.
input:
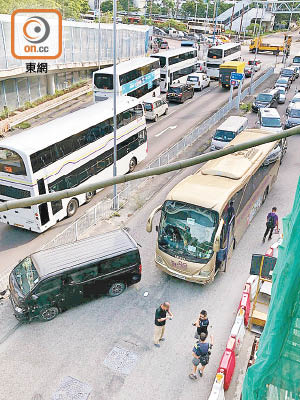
(253, 27)
(245, 107)
(106, 6)
(23, 125)
(69, 9)
(5, 113)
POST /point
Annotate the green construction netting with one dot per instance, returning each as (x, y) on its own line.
(276, 372)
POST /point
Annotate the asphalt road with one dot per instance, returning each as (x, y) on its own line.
(38, 356)
(16, 243)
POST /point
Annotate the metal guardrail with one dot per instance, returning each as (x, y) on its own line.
(104, 209)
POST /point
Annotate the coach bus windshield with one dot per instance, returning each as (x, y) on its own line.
(187, 230)
(11, 162)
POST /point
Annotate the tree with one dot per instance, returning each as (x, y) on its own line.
(106, 6)
(188, 8)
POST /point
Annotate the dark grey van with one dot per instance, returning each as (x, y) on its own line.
(51, 281)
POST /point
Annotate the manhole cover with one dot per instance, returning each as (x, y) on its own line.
(120, 360)
(72, 389)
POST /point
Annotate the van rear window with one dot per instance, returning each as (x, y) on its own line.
(148, 106)
(224, 136)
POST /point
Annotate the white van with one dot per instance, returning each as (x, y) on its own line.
(198, 80)
(155, 107)
(227, 131)
(269, 120)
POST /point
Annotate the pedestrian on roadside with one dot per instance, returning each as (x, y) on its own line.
(201, 324)
(272, 222)
(201, 353)
(160, 322)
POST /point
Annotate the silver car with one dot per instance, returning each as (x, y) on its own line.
(282, 95)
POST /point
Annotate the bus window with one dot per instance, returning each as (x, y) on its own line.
(11, 162)
(103, 81)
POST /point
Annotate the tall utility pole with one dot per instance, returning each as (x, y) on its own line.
(241, 24)
(99, 33)
(215, 16)
(231, 20)
(256, 47)
(115, 201)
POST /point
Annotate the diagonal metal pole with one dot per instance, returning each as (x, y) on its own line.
(115, 200)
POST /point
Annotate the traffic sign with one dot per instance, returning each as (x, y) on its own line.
(233, 82)
(236, 76)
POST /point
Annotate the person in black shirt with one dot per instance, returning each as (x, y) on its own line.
(160, 322)
(201, 324)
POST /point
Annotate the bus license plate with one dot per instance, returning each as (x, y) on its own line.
(179, 276)
(19, 225)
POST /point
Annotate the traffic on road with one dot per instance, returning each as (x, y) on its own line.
(206, 222)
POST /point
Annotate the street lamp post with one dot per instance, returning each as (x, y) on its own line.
(115, 200)
(256, 49)
(99, 33)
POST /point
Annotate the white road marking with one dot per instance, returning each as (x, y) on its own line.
(169, 127)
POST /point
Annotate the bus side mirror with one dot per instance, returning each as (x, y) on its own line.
(217, 242)
(150, 219)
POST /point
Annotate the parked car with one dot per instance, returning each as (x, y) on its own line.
(198, 80)
(50, 281)
(155, 107)
(266, 100)
(295, 99)
(293, 118)
(282, 95)
(256, 64)
(248, 71)
(296, 69)
(179, 92)
(288, 72)
(283, 82)
(164, 45)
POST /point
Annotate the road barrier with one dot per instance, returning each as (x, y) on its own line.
(104, 209)
(226, 367)
(217, 392)
(245, 304)
(238, 330)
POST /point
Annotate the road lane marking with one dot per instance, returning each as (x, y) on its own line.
(165, 130)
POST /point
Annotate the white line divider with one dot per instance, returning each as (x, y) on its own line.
(165, 130)
(217, 392)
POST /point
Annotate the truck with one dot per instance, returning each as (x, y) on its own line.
(275, 49)
(226, 69)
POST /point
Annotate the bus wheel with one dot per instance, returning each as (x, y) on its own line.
(72, 207)
(132, 164)
(266, 192)
(116, 289)
(49, 313)
(89, 196)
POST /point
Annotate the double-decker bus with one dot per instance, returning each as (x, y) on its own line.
(175, 65)
(218, 55)
(137, 78)
(206, 214)
(63, 154)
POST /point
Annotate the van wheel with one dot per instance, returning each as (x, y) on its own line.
(166, 112)
(156, 118)
(47, 314)
(72, 207)
(116, 289)
(132, 164)
(89, 196)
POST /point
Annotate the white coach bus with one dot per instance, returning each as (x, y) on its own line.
(218, 55)
(64, 153)
(137, 78)
(176, 64)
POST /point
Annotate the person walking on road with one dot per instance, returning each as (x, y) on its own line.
(272, 222)
(160, 322)
(201, 353)
(201, 324)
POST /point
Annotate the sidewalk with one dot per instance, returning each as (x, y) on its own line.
(22, 116)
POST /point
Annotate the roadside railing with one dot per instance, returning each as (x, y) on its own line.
(104, 209)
